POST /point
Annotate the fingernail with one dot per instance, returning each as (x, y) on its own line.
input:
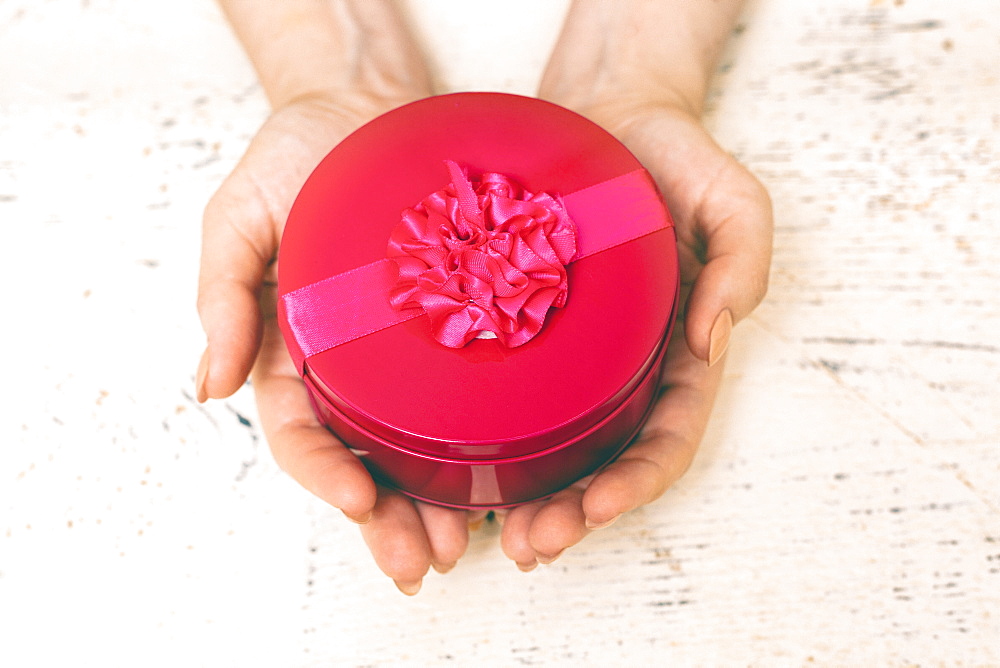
(443, 568)
(409, 588)
(200, 377)
(527, 568)
(718, 339)
(594, 526)
(545, 559)
(359, 519)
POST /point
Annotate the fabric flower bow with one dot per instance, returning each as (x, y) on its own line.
(484, 258)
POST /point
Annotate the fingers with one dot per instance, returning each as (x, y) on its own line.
(237, 246)
(405, 538)
(559, 524)
(397, 540)
(515, 537)
(447, 534)
(540, 532)
(667, 445)
(734, 221)
(301, 446)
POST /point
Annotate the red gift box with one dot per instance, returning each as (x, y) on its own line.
(478, 215)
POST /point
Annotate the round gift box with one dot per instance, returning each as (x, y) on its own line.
(480, 424)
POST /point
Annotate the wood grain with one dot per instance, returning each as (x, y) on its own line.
(844, 508)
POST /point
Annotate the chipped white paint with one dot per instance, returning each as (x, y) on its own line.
(845, 507)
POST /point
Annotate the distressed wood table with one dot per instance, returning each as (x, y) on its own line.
(844, 508)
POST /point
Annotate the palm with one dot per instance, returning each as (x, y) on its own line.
(706, 190)
(243, 225)
(708, 193)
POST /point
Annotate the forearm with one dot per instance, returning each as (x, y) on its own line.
(323, 48)
(639, 50)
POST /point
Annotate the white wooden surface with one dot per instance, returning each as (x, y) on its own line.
(844, 509)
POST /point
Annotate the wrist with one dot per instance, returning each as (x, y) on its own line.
(612, 92)
(329, 49)
(635, 53)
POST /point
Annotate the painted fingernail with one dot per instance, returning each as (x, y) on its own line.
(360, 519)
(443, 568)
(546, 559)
(594, 526)
(528, 567)
(718, 339)
(200, 377)
(409, 588)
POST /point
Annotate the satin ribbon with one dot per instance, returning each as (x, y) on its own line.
(483, 257)
(339, 309)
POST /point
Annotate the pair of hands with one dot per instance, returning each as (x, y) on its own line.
(723, 223)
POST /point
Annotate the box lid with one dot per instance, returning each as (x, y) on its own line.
(482, 400)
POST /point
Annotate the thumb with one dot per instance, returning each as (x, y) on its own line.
(237, 248)
(734, 278)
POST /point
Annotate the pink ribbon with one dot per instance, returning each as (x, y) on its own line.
(347, 306)
(483, 257)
